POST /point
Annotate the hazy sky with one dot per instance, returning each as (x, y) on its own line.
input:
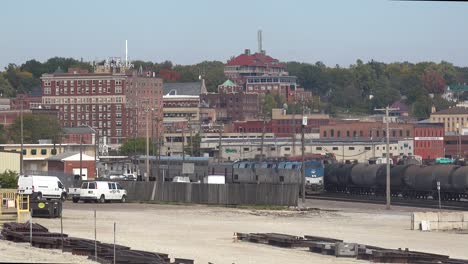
(190, 31)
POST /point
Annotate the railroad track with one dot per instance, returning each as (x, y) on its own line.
(399, 201)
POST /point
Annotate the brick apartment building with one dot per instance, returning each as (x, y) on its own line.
(232, 103)
(104, 101)
(429, 140)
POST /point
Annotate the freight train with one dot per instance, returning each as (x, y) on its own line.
(409, 181)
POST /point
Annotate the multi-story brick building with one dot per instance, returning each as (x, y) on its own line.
(366, 130)
(104, 101)
(456, 146)
(257, 64)
(233, 106)
(144, 94)
(429, 140)
(282, 124)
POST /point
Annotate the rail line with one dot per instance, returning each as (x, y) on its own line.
(398, 201)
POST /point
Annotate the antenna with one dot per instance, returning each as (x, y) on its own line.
(126, 54)
(259, 39)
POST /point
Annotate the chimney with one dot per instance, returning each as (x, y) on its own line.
(247, 51)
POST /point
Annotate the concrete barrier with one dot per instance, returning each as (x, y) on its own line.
(439, 220)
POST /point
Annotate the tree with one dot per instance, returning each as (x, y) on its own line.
(195, 144)
(36, 127)
(433, 82)
(8, 179)
(422, 108)
(135, 146)
(2, 134)
(6, 90)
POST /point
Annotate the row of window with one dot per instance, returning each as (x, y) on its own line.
(42, 151)
(84, 100)
(361, 133)
(86, 90)
(80, 82)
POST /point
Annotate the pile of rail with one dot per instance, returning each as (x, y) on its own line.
(42, 238)
(338, 248)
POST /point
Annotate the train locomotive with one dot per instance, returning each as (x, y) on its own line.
(409, 181)
(279, 172)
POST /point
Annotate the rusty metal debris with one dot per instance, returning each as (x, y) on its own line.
(338, 248)
(42, 238)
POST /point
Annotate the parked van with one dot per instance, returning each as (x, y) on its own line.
(101, 191)
(214, 179)
(41, 187)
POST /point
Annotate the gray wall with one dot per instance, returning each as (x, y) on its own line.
(225, 194)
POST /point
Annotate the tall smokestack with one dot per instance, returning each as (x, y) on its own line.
(126, 54)
(259, 38)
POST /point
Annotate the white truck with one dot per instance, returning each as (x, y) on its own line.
(47, 187)
(214, 179)
(101, 191)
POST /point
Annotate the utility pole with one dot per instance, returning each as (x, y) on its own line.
(304, 123)
(191, 136)
(459, 141)
(147, 146)
(183, 145)
(220, 141)
(387, 121)
(81, 157)
(263, 138)
(22, 139)
(158, 149)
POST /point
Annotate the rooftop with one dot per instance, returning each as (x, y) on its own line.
(186, 88)
(453, 111)
(79, 130)
(256, 59)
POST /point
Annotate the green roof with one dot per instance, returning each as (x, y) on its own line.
(228, 83)
(459, 87)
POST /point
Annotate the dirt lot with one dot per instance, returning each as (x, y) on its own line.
(205, 233)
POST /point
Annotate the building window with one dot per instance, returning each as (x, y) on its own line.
(47, 90)
(33, 151)
(367, 148)
(351, 148)
(347, 133)
(318, 148)
(335, 148)
(118, 89)
(43, 151)
(53, 152)
(325, 134)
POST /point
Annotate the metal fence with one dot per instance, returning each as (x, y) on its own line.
(224, 194)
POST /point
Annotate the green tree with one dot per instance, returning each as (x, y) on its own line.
(422, 108)
(8, 179)
(196, 139)
(135, 146)
(6, 89)
(2, 135)
(36, 127)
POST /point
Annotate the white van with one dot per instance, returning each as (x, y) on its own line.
(214, 179)
(181, 179)
(102, 191)
(41, 187)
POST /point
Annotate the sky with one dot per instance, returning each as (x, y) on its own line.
(191, 31)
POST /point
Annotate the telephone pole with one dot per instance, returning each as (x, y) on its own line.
(147, 146)
(304, 123)
(22, 139)
(386, 119)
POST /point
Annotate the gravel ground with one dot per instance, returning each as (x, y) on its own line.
(205, 233)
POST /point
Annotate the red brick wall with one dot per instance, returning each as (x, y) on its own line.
(90, 165)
